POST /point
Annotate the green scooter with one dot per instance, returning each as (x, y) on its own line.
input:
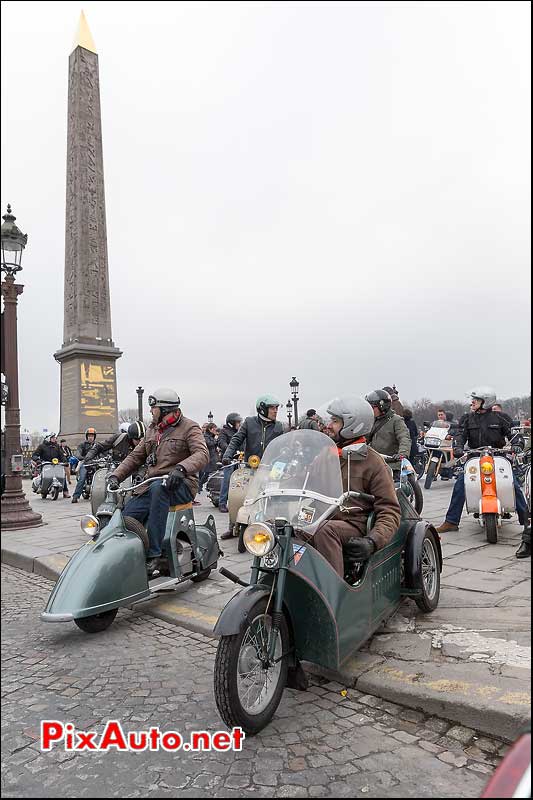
(109, 571)
(296, 607)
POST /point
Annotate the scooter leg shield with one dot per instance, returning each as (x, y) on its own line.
(107, 572)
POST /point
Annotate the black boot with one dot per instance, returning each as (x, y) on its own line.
(524, 551)
(228, 535)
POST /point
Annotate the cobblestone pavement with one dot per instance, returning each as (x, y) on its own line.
(144, 671)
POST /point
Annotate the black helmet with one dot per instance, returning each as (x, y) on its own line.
(232, 418)
(136, 430)
(381, 399)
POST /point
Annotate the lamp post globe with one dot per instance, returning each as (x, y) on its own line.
(16, 511)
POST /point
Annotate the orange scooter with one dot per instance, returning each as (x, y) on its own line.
(489, 488)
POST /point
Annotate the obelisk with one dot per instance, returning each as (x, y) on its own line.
(88, 353)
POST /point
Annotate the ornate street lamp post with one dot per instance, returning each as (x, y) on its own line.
(289, 413)
(294, 390)
(140, 392)
(16, 511)
(210, 417)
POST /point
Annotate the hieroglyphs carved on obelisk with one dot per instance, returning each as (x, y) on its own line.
(88, 354)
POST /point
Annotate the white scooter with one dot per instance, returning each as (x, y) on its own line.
(489, 488)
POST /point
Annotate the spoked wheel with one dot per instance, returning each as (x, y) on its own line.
(428, 600)
(247, 689)
(54, 493)
(491, 527)
(430, 475)
(97, 622)
(417, 497)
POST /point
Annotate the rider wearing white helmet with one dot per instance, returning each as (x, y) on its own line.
(480, 427)
(173, 444)
(349, 421)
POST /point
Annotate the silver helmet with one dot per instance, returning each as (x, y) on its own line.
(356, 414)
(164, 398)
(485, 393)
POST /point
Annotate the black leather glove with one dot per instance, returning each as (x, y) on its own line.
(175, 478)
(361, 548)
(112, 483)
(396, 456)
(226, 461)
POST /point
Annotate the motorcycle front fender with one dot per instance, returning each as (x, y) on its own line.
(105, 573)
(235, 613)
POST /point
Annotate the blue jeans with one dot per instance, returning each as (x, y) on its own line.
(81, 481)
(151, 508)
(224, 489)
(457, 502)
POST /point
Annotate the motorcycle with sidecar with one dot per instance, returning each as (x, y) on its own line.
(109, 571)
(296, 607)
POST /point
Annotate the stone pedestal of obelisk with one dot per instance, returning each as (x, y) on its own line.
(88, 353)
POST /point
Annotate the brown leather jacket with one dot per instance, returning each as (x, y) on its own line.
(372, 476)
(182, 443)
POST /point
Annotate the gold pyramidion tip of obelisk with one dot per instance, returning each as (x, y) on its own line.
(83, 36)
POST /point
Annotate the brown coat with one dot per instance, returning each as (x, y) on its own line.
(182, 443)
(372, 476)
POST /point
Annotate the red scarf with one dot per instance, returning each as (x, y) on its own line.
(361, 440)
(167, 423)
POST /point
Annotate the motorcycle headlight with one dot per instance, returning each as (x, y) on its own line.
(259, 539)
(89, 525)
(487, 468)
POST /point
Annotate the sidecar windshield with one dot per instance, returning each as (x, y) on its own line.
(299, 479)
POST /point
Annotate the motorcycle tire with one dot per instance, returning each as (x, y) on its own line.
(428, 600)
(418, 495)
(44, 495)
(54, 493)
(86, 492)
(201, 576)
(134, 526)
(97, 623)
(491, 527)
(430, 476)
(226, 673)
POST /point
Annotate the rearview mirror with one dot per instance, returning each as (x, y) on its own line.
(357, 452)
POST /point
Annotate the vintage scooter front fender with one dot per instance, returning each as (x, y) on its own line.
(105, 573)
(234, 614)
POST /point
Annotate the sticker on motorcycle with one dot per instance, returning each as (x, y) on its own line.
(298, 551)
(306, 515)
(277, 470)
(472, 469)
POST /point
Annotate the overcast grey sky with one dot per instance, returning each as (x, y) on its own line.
(337, 191)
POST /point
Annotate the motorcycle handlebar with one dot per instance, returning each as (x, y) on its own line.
(138, 485)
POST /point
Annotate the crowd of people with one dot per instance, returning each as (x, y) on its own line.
(188, 453)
